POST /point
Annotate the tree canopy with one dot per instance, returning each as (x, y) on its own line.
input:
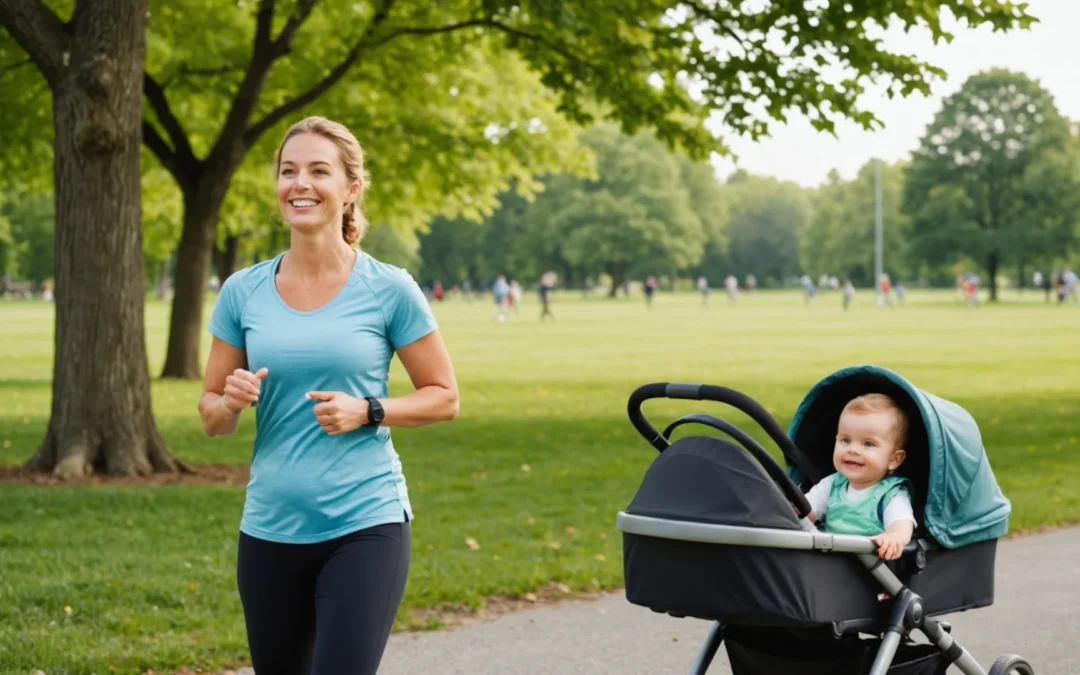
(976, 181)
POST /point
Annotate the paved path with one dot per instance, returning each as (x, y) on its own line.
(1036, 614)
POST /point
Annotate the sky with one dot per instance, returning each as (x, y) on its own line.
(1048, 52)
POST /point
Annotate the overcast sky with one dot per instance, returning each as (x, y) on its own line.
(1049, 52)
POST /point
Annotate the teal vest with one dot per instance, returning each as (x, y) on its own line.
(865, 517)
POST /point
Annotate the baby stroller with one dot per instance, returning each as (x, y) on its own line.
(713, 534)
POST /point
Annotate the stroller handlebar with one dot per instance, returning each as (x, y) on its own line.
(742, 402)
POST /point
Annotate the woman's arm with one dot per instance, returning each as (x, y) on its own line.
(434, 400)
(227, 388)
(436, 396)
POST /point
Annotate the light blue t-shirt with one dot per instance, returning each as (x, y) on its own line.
(307, 486)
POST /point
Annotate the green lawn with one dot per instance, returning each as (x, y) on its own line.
(534, 469)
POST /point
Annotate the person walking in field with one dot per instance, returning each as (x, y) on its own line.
(306, 338)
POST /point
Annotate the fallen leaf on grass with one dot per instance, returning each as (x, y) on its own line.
(529, 597)
(600, 556)
(67, 609)
(192, 587)
(570, 530)
(526, 468)
(555, 545)
(472, 543)
(563, 588)
(530, 520)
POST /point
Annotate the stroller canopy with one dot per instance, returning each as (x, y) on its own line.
(956, 496)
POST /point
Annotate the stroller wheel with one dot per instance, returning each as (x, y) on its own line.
(1011, 665)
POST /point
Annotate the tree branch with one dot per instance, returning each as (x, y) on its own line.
(155, 94)
(481, 23)
(185, 71)
(264, 19)
(284, 39)
(299, 101)
(40, 33)
(168, 158)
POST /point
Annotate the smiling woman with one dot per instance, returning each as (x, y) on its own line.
(307, 338)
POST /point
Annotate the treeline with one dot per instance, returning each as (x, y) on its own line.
(994, 188)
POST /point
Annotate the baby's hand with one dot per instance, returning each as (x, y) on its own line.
(890, 544)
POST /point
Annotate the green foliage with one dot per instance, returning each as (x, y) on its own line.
(840, 237)
(640, 210)
(976, 182)
(26, 236)
(768, 219)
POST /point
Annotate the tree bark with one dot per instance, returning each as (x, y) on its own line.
(202, 208)
(101, 418)
(225, 258)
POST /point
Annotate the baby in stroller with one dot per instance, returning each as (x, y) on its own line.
(711, 532)
(864, 496)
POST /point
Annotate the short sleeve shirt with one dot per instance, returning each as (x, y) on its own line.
(307, 486)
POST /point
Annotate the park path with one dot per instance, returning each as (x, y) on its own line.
(1036, 614)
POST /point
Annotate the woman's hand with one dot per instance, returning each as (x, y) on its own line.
(242, 388)
(339, 413)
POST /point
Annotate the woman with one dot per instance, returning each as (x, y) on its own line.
(307, 338)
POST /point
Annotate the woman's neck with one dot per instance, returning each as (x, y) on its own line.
(318, 254)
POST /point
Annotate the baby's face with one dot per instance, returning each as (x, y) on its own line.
(866, 448)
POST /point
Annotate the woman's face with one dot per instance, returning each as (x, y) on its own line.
(311, 184)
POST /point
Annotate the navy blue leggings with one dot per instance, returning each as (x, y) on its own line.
(326, 608)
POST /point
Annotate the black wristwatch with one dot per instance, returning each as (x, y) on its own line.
(376, 414)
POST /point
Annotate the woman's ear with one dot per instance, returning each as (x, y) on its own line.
(354, 191)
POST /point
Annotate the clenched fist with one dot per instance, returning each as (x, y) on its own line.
(339, 413)
(242, 388)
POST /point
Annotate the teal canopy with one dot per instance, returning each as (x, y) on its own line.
(960, 499)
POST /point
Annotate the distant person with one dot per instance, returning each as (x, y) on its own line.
(703, 289)
(885, 291)
(751, 283)
(308, 337)
(547, 285)
(438, 291)
(650, 289)
(971, 289)
(515, 296)
(849, 293)
(466, 290)
(901, 292)
(1047, 286)
(1069, 283)
(809, 291)
(501, 290)
(731, 287)
(1036, 280)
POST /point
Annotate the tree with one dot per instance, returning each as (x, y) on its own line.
(768, 218)
(972, 183)
(839, 239)
(101, 416)
(647, 64)
(636, 212)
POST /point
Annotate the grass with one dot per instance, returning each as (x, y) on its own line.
(534, 469)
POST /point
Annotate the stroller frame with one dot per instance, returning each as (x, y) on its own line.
(907, 610)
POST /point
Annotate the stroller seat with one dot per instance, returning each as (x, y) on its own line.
(718, 531)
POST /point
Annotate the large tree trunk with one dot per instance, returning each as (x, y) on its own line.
(202, 207)
(992, 263)
(101, 418)
(225, 258)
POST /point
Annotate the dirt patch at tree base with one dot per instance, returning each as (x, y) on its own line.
(203, 474)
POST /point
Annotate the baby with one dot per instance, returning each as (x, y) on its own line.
(863, 497)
